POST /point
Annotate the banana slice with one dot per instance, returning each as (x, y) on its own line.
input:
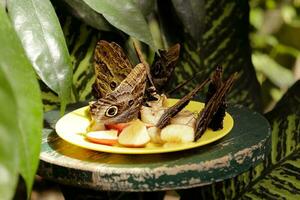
(184, 117)
(151, 115)
(154, 134)
(177, 133)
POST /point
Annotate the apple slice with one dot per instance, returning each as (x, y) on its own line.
(134, 135)
(119, 127)
(177, 133)
(108, 137)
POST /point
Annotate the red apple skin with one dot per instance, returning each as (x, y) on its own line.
(119, 127)
(103, 141)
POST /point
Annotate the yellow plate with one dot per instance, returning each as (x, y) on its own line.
(72, 128)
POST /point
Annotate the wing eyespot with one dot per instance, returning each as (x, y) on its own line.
(111, 111)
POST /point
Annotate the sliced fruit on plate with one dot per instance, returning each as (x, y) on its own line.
(107, 137)
(94, 126)
(177, 133)
(184, 117)
(134, 135)
(119, 127)
(154, 134)
(151, 115)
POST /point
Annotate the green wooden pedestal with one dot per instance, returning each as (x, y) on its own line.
(247, 144)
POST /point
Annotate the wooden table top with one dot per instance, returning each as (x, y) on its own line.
(247, 144)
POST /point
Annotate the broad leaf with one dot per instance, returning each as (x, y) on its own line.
(86, 14)
(223, 41)
(20, 75)
(146, 6)
(281, 180)
(3, 4)
(39, 30)
(9, 133)
(271, 69)
(126, 16)
(191, 14)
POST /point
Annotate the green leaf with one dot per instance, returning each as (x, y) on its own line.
(278, 182)
(9, 133)
(146, 6)
(191, 16)
(82, 11)
(20, 75)
(3, 3)
(281, 179)
(271, 69)
(223, 41)
(126, 16)
(39, 30)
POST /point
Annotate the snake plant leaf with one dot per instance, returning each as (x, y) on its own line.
(40, 33)
(8, 133)
(222, 40)
(126, 16)
(191, 16)
(21, 77)
(82, 11)
(281, 179)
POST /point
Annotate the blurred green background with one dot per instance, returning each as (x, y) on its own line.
(275, 41)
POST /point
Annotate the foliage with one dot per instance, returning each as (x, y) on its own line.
(206, 30)
(275, 27)
(280, 180)
(44, 43)
(21, 116)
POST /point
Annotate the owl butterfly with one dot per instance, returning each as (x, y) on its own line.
(164, 65)
(111, 67)
(119, 88)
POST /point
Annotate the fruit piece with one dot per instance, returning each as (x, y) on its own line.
(151, 115)
(148, 125)
(134, 135)
(177, 133)
(119, 127)
(159, 103)
(184, 117)
(108, 137)
(154, 134)
(94, 126)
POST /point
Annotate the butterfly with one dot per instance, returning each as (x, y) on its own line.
(119, 87)
(163, 66)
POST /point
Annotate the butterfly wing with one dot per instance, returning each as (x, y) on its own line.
(164, 65)
(122, 104)
(111, 67)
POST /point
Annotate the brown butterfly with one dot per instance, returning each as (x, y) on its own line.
(163, 66)
(111, 67)
(119, 88)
